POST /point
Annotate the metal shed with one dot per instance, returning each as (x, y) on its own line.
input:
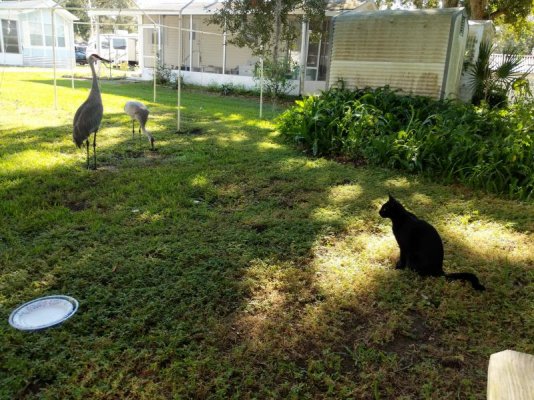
(418, 51)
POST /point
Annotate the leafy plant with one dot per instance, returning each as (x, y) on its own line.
(493, 84)
(166, 76)
(478, 146)
(277, 76)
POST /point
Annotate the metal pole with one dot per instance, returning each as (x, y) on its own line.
(98, 47)
(224, 49)
(73, 62)
(155, 61)
(110, 41)
(261, 87)
(179, 83)
(303, 55)
(141, 44)
(191, 43)
(54, 57)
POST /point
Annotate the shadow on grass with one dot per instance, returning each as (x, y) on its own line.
(228, 265)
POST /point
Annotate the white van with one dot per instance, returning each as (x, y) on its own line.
(119, 47)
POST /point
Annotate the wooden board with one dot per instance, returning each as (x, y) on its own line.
(511, 376)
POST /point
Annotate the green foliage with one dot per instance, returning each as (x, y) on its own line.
(511, 11)
(493, 84)
(166, 76)
(230, 89)
(277, 75)
(519, 35)
(252, 23)
(483, 148)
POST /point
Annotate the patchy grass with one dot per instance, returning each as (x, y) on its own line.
(228, 265)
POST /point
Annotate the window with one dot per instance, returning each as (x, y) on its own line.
(36, 33)
(60, 33)
(11, 36)
(119, 44)
(35, 25)
(105, 44)
(47, 27)
(48, 34)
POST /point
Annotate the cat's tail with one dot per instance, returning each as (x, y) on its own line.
(466, 276)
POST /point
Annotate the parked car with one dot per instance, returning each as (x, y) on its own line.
(81, 57)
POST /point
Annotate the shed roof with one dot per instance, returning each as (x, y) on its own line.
(31, 5)
(207, 7)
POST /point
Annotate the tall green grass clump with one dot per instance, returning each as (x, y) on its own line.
(480, 147)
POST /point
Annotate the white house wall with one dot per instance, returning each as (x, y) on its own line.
(207, 53)
(42, 55)
(247, 82)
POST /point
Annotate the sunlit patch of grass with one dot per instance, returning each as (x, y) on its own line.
(235, 137)
(268, 146)
(397, 183)
(325, 215)
(31, 160)
(345, 193)
(422, 199)
(489, 239)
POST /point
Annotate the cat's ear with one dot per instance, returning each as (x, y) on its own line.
(391, 197)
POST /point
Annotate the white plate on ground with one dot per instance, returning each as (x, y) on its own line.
(43, 312)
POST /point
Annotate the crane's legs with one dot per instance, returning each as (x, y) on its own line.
(94, 149)
(133, 129)
(87, 147)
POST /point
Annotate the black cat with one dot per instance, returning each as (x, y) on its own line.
(420, 245)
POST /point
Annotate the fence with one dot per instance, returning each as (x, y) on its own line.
(527, 62)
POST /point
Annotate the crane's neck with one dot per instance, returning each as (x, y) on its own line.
(94, 87)
(149, 135)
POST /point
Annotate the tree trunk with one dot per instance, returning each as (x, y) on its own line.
(277, 28)
(478, 9)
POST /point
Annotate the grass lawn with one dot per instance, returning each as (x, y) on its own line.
(227, 264)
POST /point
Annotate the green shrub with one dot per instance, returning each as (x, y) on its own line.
(483, 148)
(166, 76)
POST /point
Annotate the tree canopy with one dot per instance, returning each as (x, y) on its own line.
(512, 11)
(262, 24)
(83, 31)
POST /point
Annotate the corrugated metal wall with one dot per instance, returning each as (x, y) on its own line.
(408, 50)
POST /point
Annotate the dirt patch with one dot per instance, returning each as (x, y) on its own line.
(134, 154)
(77, 205)
(153, 155)
(418, 334)
(191, 131)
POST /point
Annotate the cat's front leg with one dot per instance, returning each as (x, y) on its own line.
(401, 264)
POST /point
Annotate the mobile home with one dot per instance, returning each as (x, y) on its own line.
(36, 32)
(417, 51)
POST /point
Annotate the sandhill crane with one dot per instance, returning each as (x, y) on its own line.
(138, 111)
(89, 115)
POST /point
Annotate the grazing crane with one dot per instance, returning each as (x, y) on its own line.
(138, 111)
(89, 115)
